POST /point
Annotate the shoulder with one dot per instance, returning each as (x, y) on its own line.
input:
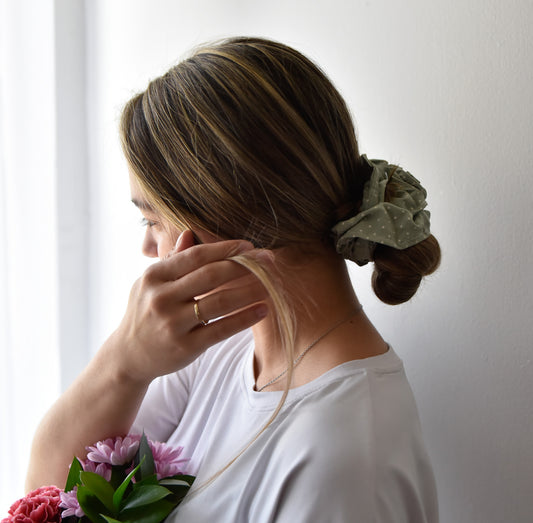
(345, 412)
(357, 442)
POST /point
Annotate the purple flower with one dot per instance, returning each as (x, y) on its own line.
(70, 504)
(166, 459)
(115, 451)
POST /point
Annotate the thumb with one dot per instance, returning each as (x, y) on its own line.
(185, 241)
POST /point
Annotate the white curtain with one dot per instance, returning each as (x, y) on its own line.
(43, 220)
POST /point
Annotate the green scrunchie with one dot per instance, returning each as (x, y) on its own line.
(399, 223)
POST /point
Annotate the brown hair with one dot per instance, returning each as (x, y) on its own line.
(398, 273)
(249, 139)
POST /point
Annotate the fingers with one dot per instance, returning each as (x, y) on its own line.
(224, 328)
(205, 279)
(161, 329)
(176, 299)
(229, 301)
(186, 258)
(185, 241)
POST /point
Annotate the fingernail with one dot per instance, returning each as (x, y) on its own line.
(265, 255)
(261, 311)
(179, 241)
(244, 246)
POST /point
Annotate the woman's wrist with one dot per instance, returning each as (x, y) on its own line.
(116, 361)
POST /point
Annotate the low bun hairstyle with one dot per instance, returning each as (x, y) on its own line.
(247, 138)
(398, 273)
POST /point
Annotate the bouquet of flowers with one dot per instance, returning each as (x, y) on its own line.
(123, 480)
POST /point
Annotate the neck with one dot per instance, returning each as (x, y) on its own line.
(322, 297)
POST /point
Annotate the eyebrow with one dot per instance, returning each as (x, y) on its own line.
(143, 205)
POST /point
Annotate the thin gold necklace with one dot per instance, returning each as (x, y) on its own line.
(309, 347)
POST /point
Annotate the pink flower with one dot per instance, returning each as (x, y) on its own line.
(102, 469)
(70, 504)
(39, 506)
(166, 459)
(115, 451)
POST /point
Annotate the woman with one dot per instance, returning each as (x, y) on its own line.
(244, 163)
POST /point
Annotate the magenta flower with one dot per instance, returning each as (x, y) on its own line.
(70, 504)
(39, 506)
(166, 459)
(115, 451)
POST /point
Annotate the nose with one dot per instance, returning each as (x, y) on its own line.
(149, 246)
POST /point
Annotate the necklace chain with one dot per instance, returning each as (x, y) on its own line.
(309, 347)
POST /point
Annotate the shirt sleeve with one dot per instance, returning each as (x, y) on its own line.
(163, 405)
(167, 396)
(312, 494)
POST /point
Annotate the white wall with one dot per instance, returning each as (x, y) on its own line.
(444, 88)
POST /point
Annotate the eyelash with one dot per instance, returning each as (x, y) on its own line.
(147, 223)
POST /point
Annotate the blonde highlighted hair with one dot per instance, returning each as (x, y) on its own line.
(247, 138)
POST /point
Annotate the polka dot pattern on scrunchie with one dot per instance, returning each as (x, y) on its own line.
(400, 223)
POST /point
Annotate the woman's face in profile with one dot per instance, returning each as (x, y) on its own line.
(160, 236)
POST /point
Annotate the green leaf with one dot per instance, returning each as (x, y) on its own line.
(174, 483)
(153, 513)
(73, 479)
(150, 480)
(119, 493)
(145, 458)
(179, 485)
(118, 473)
(145, 495)
(109, 519)
(101, 488)
(184, 477)
(177, 481)
(91, 505)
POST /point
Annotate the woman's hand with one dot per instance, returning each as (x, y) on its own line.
(160, 332)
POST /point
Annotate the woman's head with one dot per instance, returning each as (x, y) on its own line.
(246, 139)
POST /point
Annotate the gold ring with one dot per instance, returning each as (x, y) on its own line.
(197, 314)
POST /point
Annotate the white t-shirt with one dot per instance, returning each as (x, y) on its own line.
(346, 447)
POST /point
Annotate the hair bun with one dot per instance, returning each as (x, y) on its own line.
(398, 273)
